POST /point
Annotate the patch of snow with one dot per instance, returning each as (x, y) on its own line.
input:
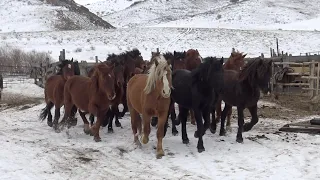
(22, 86)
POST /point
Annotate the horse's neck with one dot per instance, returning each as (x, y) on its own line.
(229, 66)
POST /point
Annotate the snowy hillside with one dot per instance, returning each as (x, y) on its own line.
(246, 14)
(35, 15)
(85, 45)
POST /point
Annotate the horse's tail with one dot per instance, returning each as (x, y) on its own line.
(45, 111)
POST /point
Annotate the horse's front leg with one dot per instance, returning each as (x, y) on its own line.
(56, 117)
(183, 113)
(229, 120)
(110, 115)
(254, 118)
(163, 117)
(86, 128)
(96, 127)
(240, 123)
(206, 117)
(224, 113)
(200, 129)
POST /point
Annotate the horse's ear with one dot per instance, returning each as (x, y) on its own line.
(221, 60)
(232, 54)
(72, 60)
(174, 52)
(244, 55)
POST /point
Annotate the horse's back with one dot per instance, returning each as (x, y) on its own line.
(135, 88)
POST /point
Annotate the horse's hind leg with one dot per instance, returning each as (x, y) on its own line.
(223, 119)
(173, 118)
(56, 117)
(91, 118)
(240, 124)
(73, 119)
(229, 120)
(218, 110)
(254, 118)
(111, 115)
(86, 128)
(206, 118)
(193, 120)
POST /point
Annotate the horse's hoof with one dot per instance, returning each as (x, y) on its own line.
(50, 123)
(196, 134)
(246, 127)
(97, 139)
(145, 139)
(118, 124)
(57, 130)
(239, 140)
(200, 150)
(212, 130)
(175, 132)
(160, 154)
(222, 132)
(229, 128)
(185, 141)
(110, 130)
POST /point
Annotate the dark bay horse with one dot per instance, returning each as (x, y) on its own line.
(242, 89)
(90, 95)
(236, 63)
(131, 60)
(54, 91)
(195, 90)
(149, 95)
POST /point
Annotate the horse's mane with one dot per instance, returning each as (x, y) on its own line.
(155, 72)
(253, 69)
(180, 55)
(134, 53)
(202, 71)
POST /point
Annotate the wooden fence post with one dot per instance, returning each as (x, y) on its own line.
(97, 59)
(311, 80)
(318, 72)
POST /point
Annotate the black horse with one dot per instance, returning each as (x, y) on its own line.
(195, 90)
(242, 89)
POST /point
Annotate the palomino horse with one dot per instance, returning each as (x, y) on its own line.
(90, 95)
(242, 89)
(235, 62)
(149, 95)
(54, 92)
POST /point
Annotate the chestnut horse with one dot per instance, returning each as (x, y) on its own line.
(54, 91)
(149, 95)
(90, 95)
(236, 63)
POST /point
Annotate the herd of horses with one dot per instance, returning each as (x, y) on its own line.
(149, 90)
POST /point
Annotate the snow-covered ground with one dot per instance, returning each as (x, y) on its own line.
(85, 45)
(32, 150)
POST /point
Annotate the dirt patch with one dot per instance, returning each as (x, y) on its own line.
(17, 100)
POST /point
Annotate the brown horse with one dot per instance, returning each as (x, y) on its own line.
(236, 63)
(54, 93)
(149, 95)
(113, 111)
(90, 95)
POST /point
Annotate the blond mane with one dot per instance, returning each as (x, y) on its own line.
(156, 72)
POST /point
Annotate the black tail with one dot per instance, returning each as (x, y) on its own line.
(45, 111)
